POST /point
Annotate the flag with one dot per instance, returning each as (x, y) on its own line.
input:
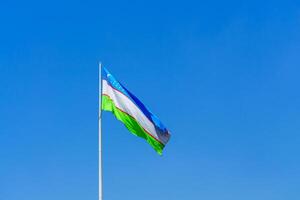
(127, 108)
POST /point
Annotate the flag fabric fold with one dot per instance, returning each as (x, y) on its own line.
(127, 108)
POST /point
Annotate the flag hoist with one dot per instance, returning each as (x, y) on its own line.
(128, 109)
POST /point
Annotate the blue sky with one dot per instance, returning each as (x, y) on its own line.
(223, 76)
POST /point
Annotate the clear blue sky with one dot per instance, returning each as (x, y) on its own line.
(222, 75)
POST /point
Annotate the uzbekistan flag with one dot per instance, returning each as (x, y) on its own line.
(132, 112)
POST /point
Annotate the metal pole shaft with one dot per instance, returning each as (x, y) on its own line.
(100, 134)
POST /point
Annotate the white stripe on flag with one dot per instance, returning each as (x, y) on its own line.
(122, 102)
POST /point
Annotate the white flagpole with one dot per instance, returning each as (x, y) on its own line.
(100, 133)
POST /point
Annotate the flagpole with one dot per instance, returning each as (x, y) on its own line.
(100, 133)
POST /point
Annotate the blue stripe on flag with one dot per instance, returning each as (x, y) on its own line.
(106, 75)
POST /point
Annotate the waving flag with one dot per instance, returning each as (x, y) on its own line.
(132, 112)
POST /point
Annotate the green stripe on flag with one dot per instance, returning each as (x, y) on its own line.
(131, 124)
